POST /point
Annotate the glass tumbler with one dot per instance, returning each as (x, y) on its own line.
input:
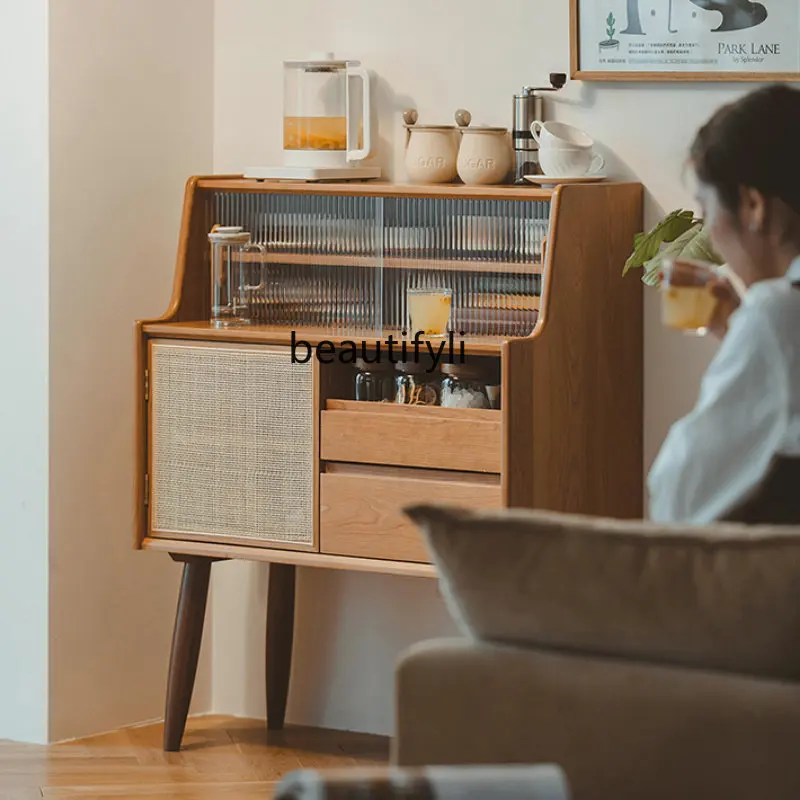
(687, 303)
(429, 311)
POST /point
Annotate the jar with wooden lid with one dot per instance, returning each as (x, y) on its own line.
(414, 385)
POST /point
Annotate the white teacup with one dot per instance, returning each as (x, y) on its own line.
(559, 162)
(560, 135)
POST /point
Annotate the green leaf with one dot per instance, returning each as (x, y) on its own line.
(693, 244)
(651, 270)
(700, 248)
(646, 246)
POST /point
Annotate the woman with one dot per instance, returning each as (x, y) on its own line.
(736, 456)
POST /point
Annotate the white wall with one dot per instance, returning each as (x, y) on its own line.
(131, 109)
(436, 56)
(23, 386)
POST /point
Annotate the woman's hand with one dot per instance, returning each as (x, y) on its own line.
(728, 301)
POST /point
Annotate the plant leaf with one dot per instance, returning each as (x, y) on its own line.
(701, 249)
(693, 244)
(651, 270)
(646, 246)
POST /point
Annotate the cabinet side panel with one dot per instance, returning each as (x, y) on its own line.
(587, 360)
(518, 423)
(192, 294)
(232, 444)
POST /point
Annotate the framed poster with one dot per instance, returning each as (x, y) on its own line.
(700, 40)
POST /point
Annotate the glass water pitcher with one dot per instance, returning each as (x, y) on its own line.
(236, 276)
(321, 123)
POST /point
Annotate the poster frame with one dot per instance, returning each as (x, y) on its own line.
(578, 74)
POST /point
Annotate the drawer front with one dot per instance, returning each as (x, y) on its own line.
(415, 436)
(231, 434)
(361, 514)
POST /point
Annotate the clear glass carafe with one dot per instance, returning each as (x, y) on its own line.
(236, 279)
(320, 128)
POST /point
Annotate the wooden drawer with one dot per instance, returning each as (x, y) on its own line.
(411, 436)
(361, 508)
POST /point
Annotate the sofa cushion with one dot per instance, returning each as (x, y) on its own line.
(725, 597)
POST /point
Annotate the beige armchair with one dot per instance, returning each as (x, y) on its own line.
(621, 730)
(650, 664)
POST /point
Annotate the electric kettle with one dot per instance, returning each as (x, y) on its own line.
(326, 121)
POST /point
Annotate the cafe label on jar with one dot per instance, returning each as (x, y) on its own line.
(689, 36)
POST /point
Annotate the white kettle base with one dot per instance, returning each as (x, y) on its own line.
(313, 173)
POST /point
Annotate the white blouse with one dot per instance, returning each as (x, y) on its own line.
(748, 411)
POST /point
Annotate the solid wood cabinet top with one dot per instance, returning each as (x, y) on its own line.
(375, 189)
(378, 189)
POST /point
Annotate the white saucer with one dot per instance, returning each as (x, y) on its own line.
(548, 180)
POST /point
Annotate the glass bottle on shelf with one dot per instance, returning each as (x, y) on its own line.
(415, 386)
(469, 386)
(374, 381)
(236, 282)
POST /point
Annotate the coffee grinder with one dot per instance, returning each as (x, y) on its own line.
(528, 107)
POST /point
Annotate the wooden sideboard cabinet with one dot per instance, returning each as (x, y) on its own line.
(245, 452)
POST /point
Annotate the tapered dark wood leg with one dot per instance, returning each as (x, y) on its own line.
(186, 639)
(280, 635)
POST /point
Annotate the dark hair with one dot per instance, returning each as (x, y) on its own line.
(754, 143)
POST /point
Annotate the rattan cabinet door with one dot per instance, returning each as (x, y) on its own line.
(231, 440)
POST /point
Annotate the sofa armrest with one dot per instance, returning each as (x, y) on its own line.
(618, 729)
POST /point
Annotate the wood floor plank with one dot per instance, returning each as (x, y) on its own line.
(238, 789)
(222, 757)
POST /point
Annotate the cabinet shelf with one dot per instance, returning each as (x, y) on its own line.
(263, 334)
(396, 262)
(375, 189)
(416, 412)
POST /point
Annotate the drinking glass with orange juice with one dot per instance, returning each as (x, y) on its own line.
(687, 301)
(429, 310)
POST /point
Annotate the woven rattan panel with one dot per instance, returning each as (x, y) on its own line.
(231, 443)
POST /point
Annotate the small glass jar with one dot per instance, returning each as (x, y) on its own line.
(465, 386)
(374, 382)
(235, 276)
(415, 386)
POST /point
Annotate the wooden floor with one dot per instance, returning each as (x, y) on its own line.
(221, 757)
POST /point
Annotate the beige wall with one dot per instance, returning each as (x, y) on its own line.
(130, 119)
(138, 92)
(437, 56)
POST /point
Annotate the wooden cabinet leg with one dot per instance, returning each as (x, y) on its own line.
(280, 634)
(186, 640)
